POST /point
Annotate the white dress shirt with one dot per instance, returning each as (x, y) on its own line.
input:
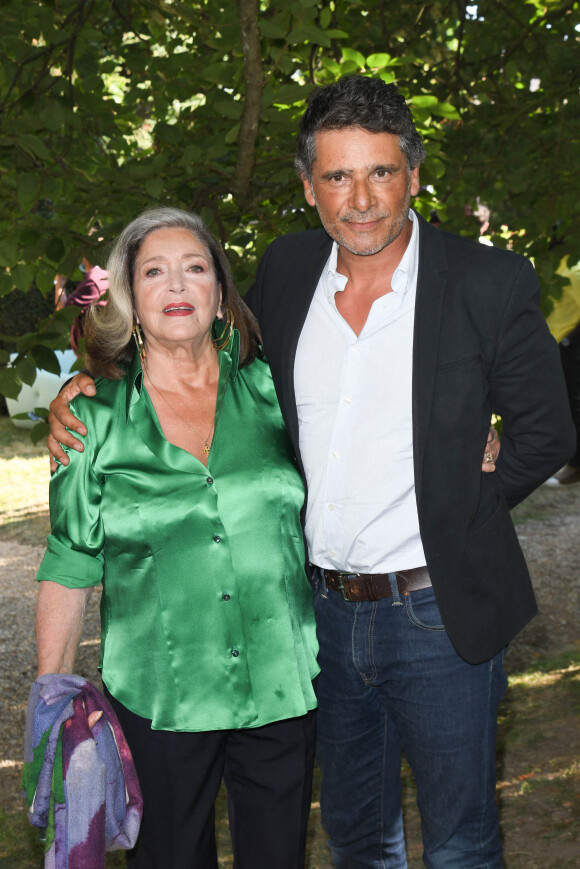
(355, 423)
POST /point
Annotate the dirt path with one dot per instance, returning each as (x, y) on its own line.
(539, 774)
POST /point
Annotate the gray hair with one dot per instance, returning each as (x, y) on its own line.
(357, 101)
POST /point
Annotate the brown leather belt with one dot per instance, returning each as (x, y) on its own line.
(374, 586)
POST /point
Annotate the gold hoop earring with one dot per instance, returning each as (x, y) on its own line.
(138, 336)
(222, 341)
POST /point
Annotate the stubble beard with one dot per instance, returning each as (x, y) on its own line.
(395, 228)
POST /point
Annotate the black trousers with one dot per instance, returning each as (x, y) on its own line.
(268, 776)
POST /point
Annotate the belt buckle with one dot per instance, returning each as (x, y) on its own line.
(343, 575)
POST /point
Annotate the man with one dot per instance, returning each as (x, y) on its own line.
(391, 343)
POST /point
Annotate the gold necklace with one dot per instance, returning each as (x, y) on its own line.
(206, 446)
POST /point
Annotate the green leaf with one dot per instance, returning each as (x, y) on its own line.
(308, 33)
(55, 249)
(271, 29)
(33, 145)
(27, 190)
(349, 54)
(229, 109)
(154, 187)
(377, 61)
(325, 17)
(45, 358)
(423, 101)
(168, 134)
(52, 115)
(446, 110)
(22, 276)
(6, 284)
(39, 432)
(232, 135)
(218, 72)
(10, 383)
(26, 370)
(290, 93)
(8, 251)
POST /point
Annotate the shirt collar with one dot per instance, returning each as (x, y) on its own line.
(405, 273)
(228, 359)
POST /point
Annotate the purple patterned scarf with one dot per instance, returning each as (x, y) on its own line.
(80, 784)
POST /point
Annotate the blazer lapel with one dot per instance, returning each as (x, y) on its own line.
(293, 310)
(431, 284)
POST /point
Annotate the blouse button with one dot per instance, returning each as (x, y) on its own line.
(209, 481)
(235, 653)
(225, 597)
(217, 538)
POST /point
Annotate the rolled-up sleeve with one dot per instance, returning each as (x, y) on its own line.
(74, 554)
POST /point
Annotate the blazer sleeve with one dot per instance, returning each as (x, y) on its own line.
(528, 391)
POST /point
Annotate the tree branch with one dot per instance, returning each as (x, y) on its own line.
(254, 83)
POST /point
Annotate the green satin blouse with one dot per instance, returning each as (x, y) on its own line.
(206, 612)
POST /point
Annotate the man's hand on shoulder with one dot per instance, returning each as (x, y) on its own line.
(61, 419)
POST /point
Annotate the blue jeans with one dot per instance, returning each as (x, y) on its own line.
(391, 681)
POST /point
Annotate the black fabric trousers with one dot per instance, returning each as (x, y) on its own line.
(268, 775)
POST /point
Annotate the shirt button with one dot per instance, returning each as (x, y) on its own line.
(217, 538)
(331, 506)
(336, 454)
(346, 399)
(235, 653)
(225, 597)
(209, 481)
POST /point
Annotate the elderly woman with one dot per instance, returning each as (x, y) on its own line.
(185, 505)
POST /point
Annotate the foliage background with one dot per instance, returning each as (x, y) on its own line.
(111, 106)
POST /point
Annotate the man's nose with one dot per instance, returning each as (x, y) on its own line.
(362, 196)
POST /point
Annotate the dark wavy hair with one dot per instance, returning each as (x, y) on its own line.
(108, 330)
(357, 101)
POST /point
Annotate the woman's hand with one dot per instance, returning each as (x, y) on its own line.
(61, 419)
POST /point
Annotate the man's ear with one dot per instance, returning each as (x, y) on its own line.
(414, 184)
(308, 189)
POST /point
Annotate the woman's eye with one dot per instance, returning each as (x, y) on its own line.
(152, 272)
(196, 268)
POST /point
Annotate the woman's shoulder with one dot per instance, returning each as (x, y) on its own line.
(257, 379)
(110, 396)
(257, 371)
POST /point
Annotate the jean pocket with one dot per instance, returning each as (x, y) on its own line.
(422, 610)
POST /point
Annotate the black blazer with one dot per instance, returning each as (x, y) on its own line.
(481, 345)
